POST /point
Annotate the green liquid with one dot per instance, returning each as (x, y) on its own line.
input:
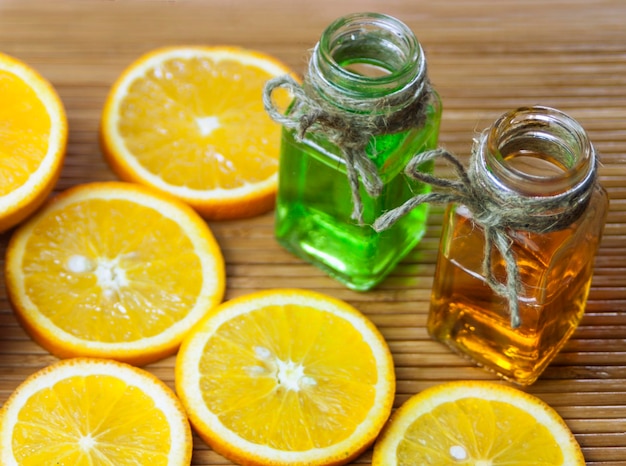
(314, 205)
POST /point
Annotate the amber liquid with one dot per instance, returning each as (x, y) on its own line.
(556, 271)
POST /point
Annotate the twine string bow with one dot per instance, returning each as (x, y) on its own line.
(350, 123)
(496, 210)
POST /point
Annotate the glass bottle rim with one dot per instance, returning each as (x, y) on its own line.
(352, 25)
(561, 137)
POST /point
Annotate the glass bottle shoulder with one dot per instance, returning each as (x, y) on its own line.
(542, 259)
(390, 152)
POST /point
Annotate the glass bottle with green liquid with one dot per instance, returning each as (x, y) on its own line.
(364, 109)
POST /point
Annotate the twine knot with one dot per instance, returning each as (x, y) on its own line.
(495, 208)
(350, 122)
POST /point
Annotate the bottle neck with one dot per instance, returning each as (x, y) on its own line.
(538, 152)
(364, 57)
(533, 170)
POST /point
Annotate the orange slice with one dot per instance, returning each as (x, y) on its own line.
(33, 138)
(286, 377)
(87, 412)
(113, 270)
(190, 121)
(476, 423)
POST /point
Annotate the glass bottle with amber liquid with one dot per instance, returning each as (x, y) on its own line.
(371, 67)
(542, 159)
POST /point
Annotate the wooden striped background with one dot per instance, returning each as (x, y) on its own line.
(485, 57)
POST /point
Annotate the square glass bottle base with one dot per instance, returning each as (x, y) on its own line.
(512, 355)
(355, 255)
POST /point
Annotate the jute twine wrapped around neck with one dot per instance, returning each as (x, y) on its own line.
(497, 210)
(350, 122)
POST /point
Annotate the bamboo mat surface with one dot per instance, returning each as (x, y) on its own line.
(485, 57)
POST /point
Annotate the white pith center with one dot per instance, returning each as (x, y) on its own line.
(207, 125)
(86, 442)
(289, 374)
(111, 277)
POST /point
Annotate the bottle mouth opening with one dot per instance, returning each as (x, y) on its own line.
(539, 151)
(373, 51)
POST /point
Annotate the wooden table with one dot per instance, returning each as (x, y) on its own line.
(485, 57)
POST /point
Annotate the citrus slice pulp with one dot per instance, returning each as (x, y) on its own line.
(190, 121)
(286, 377)
(113, 270)
(33, 139)
(476, 423)
(90, 412)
